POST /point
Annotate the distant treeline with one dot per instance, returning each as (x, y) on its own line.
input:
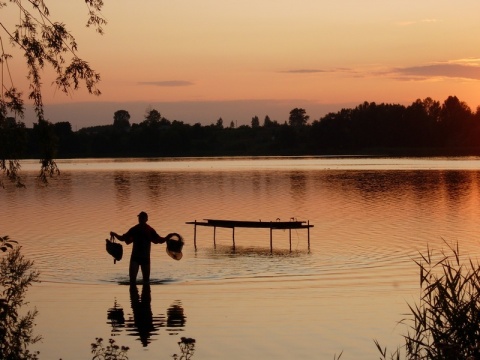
(426, 127)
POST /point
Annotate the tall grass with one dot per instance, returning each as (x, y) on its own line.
(445, 323)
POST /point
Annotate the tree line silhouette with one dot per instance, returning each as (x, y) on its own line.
(426, 127)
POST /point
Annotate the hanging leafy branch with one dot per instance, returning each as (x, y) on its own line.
(16, 327)
(43, 42)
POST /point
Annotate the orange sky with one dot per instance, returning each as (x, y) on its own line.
(198, 61)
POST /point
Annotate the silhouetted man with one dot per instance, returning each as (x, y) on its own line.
(142, 236)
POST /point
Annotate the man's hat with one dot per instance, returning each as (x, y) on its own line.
(174, 246)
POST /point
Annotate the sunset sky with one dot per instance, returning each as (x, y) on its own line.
(196, 61)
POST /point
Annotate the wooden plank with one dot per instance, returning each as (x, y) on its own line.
(256, 224)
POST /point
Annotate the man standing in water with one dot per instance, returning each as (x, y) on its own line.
(141, 235)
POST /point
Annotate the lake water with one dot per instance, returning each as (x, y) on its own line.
(371, 217)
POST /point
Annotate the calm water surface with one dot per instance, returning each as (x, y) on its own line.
(371, 217)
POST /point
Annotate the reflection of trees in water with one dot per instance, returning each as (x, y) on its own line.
(425, 185)
(62, 185)
(298, 185)
(142, 323)
(155, 186)
(122, 186)
(256, 182)
(458, 184)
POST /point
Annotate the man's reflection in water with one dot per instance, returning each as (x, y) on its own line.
(144, 325)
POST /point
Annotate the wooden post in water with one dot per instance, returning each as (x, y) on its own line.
(195, 235)
(271, 238)
(214, 237)
(290, 238)
(308, 232)
(233, 237)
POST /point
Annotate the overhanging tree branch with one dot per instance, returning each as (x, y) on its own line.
(43, 42)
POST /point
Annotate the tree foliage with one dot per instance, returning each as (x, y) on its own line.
(267, 122)
(255, 122)
(298, 117)
(121, 120)
(152, 118)
(43, 42)
(424, 128)
(13, 142)
(16, 330)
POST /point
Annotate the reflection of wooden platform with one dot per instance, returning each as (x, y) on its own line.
(232, 224)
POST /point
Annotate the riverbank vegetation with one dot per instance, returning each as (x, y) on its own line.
(16, 327)
(424, 128)
(445, 323)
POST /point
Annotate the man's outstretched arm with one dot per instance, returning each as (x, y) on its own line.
(119, 237)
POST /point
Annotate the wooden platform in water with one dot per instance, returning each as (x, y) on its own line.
(232, 224)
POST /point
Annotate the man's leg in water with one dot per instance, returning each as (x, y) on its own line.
(133, 272)
(146, 273)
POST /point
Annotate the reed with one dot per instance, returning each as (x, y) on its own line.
(445, 323)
